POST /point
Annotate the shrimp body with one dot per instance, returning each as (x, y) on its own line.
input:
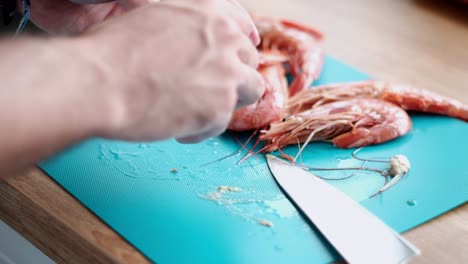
(418, 99)
(270, 107)
(299, 42)
(282, 42)
(271, 57)
(408, 98)
(349, 123)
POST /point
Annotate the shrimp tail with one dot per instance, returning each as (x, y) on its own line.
(406, 97)
(304, 78)
(417, 99)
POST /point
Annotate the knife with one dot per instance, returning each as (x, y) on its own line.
(358, 235)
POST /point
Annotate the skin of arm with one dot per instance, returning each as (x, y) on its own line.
(43, 111)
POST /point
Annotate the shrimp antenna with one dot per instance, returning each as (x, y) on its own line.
(243, 146)
(223, 158)
(312, 134)
(389, 184)
(399, 167)
(250, 152)
(381, 172)
(344, 178)
(362, 159)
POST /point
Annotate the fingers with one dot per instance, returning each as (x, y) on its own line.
(251, 84)
(251, 87)
(245, 22)
(247, 53)
(216, 131)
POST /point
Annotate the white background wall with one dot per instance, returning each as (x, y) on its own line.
(14, 249)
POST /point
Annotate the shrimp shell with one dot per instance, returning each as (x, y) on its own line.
(270, 107)
(348, 124)
(406, 97)
(302, 45)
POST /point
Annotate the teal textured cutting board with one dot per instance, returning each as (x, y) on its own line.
(181, 217)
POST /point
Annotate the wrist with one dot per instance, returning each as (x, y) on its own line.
(100, 99)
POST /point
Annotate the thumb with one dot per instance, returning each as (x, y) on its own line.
(130, 4)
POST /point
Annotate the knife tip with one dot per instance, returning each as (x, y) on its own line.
(270, 158)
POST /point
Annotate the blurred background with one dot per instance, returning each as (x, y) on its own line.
(401, 41)
(387, 38)
(360, 31)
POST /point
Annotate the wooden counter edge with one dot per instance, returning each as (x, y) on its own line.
(59, 225)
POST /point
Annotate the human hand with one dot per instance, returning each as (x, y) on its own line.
(176, 68)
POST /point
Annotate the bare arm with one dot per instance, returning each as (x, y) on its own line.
(48, 98)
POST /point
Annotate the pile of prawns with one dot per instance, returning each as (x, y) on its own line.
(349, 115)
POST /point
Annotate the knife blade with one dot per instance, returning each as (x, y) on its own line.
(358, 235)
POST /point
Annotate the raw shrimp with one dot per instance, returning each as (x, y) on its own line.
(299, 42)
(408, 98)
(270, 107)
(282, 41)
(271, 57)
(349, 123)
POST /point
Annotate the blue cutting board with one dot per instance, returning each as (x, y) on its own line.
(179, 217)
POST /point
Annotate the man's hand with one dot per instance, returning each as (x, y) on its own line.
(181, 67)
(177, 68)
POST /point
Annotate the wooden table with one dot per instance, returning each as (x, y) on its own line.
(421, 42)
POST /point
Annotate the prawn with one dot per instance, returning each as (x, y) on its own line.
(270, 107)
(406, 97)
(271, 57)
(347, 124)
(300, 43)
(274, 51)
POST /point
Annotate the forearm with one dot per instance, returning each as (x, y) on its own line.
(50, 97)
(128, 80)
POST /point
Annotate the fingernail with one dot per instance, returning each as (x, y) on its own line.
(255, 37)
(188, 140)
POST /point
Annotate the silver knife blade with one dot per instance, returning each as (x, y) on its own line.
(358, 235)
